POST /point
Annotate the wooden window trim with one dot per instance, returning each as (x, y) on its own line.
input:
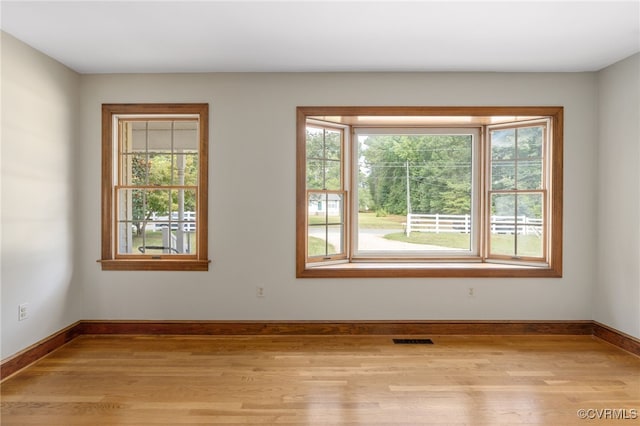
(109, 259)
(434, 269)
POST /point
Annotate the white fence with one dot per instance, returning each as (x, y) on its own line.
(162, 222)
(443, 223)
(524, 225)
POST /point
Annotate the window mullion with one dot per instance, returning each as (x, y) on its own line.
(484, 208)
(515, 203)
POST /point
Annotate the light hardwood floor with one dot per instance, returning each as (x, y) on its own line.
(327, 380)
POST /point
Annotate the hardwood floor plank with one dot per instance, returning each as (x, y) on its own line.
(323, 380)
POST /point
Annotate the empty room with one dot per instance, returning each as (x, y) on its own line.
(320, 212)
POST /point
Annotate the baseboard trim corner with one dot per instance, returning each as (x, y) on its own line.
(616, 338)
(38, 350)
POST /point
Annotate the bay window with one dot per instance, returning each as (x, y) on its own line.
(429, 191)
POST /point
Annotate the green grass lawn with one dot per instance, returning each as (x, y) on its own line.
(371, 221)
(449, 240)
(152, 238)
(317, 247)
(528, 245)
(320, 219)
(365, 221)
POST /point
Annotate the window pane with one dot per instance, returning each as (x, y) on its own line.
(333, 140)
(160, 169)
(335, 235)
(334, 208)
(317, 241)
(502, 244)
(139, 169)
(315, 143)
(185, 136)
(530, 142)
(324, 163)
(159, 136)
(325, 234)
(424, 174)
(130, 141)
(125, 176)
(325, 208)
(134, 169)
(185, 168)
(517, 235)
(530, 221)
(324, 143)
(332, 175)
(325, 240)
(164, 218)
(516, 219)
(529, 174)
(159, 153)
(163, 241)
(429, 233)
(502, 224)
(125, 238)
(503, 144)
(503, 175)
(315, 174)
(323, 174)
(503, 208)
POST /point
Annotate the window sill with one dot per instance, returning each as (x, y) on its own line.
(428, 270)
(154, 265)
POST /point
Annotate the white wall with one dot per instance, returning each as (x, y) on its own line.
(51, 200)
(252, 202)
(617, 290)
(39, 139)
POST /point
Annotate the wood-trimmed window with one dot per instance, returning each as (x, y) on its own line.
(154, 186)
(471, 192)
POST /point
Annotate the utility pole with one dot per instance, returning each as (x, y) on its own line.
(408, 223)
(408, 189)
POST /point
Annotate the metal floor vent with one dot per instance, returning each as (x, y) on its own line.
(413, 341)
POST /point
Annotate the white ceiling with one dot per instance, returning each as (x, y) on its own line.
(257, 36)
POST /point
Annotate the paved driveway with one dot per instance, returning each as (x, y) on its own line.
(373, 239)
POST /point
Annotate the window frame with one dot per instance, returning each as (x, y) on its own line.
(449, 255)
(489, 191)
(110, 258)
(436, 268)
(342, 255)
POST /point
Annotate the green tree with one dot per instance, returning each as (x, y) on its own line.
(324, 148)
(437, 168)
(160, 170)
(516, 156)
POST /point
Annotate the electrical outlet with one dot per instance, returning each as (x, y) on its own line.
(23, 311)
(471, 292)
(259, 291)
